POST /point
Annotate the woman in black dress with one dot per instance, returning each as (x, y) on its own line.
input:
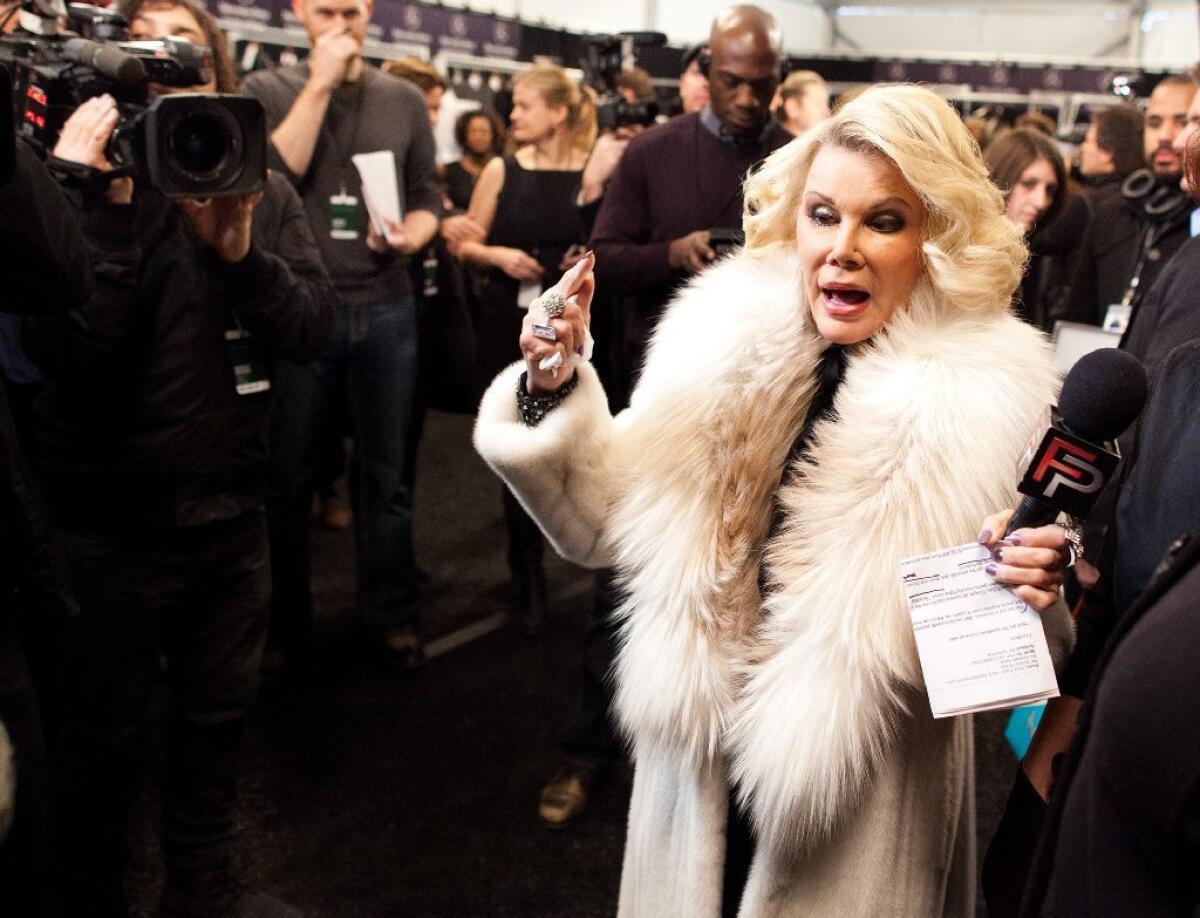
(481, 138)
(526, 205)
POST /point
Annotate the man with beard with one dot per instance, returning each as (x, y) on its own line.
(1130, 237)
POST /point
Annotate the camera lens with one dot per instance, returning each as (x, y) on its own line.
(199, 143)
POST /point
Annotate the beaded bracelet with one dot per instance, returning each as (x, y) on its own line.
(532, 408)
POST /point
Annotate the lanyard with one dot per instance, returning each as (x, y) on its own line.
(343, 152)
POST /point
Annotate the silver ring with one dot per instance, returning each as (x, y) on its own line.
(553, 304)
(545, 332)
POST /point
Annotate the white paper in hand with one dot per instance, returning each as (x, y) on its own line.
(380, 193)
(980, 646)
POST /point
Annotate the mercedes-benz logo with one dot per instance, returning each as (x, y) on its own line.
(500, 32)
(458, 25)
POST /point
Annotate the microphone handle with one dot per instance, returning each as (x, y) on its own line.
(1030, 514)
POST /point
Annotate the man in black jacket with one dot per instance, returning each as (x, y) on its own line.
(45, 268)
(153, 448)
(1129, 240)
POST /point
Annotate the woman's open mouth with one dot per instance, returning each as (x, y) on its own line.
(844, 300)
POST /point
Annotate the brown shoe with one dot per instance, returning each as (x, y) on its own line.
(565, 798)
(332, 513)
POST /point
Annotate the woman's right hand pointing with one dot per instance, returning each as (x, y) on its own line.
(550, 355)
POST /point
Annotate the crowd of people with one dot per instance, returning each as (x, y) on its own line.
(664, 403)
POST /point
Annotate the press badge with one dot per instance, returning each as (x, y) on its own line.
(249, 368)
(1116, 317)
(343, 216)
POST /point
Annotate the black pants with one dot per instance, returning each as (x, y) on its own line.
(25, 852)
(589, 736)
(201, 596)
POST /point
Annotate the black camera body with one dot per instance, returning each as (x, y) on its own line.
(724, 240)
(184, 144)
(606, 55)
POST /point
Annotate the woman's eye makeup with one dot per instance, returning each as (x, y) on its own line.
(887, 222)
(822, 214)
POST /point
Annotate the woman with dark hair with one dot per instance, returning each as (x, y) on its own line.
(1028, 169)
(481, 137)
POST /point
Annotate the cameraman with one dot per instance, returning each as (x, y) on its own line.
(153, 443)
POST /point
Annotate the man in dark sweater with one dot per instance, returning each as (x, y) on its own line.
(321, 113)
(1129, 241)
(680, 180)
(673, 186)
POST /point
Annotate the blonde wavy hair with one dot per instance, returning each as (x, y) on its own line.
(560, 91)
(973, 256)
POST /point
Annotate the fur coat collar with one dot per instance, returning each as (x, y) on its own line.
(801, 693)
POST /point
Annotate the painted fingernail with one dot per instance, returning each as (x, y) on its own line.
(990, 570)
(997, 554)
(1011, 540)
(984, 537)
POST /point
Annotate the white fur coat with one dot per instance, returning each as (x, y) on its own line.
(810, 701)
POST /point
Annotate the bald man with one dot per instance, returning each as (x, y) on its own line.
(681, 180)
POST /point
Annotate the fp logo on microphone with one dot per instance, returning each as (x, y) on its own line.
(1068, 472)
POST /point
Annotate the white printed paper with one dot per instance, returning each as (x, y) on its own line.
(380, 193)
(981, 647)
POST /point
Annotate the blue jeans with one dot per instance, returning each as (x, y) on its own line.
(373, 349)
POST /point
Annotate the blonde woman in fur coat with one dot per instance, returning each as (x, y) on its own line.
(848, 391)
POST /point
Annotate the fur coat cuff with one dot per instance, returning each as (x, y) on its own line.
(557, 470)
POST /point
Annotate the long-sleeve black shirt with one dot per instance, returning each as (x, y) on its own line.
(143, 424)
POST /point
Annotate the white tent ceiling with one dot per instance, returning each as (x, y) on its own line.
(1149, 32)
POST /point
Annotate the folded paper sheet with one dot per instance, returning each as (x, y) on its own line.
(380, 191)
(980, 646)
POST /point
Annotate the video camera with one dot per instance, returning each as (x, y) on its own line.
(184, 144)
(606, 56)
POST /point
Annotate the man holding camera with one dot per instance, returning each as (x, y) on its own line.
(322, 112)
(153, 450)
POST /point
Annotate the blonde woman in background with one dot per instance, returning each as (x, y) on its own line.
(524, 204)
(847, 391)
(802, 101)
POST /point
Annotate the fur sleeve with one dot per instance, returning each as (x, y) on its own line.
(559, 469)
(924, 446)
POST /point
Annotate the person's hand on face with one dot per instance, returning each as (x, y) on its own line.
(332, 55)
(858, 235)
(84, 139)
(222, 224)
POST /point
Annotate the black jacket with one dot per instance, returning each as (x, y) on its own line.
(44, 266)
(142, 425)
(1122, 836)
(1108, 258)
